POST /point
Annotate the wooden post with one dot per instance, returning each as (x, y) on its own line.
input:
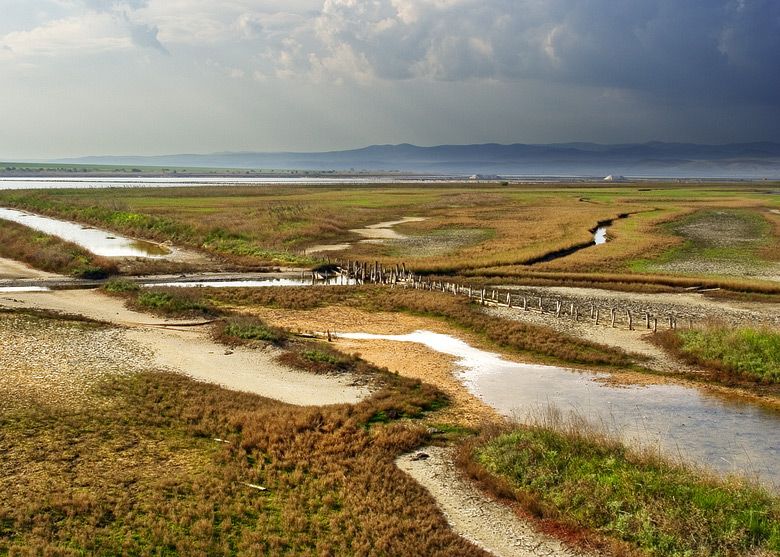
(508, 300)
(655, 324)
(690, 323)
(647, 320)
(671, 322)
(541, 307)
(597, 316)
(482, 297)
(612, 313)
(630, 320)
(525, 303)
(576, 314)
(557, 308)
(592, 310)
(571, 309)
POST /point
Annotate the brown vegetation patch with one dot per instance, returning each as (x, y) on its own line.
(160, 461)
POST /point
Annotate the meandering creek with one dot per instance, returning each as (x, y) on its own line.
(683, 422)
(94, 240)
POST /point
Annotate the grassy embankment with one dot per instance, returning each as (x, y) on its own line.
(51, 254)
(733, 354)
(630, 502)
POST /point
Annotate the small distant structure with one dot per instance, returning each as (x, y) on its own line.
(612, 178)
(484, 177)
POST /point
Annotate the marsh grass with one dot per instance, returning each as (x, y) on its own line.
(508, 334)
(570, 475)
(247, 330)
(468, 227)
(172, 302)
(745, 352)
(159, 464)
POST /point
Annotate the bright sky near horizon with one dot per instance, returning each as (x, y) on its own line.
(84, 77)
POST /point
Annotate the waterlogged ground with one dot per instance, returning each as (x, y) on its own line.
(683, 422)
(719, 242)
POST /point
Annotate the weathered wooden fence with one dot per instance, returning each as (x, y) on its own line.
(398, 276)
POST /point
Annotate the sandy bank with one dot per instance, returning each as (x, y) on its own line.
(190, 351)
(491, 525)
(407, 359)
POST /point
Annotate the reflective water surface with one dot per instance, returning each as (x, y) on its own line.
(683, 422)
(600, 236)
(335, 281)
(9, 289)
(94, 240)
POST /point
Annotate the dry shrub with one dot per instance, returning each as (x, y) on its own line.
(140, 472)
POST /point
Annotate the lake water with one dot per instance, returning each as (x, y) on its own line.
(7, 183)
(683, 422)
(94, 240)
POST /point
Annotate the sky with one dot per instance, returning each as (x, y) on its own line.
(97, 77)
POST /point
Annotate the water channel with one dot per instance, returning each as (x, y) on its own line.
(95, 240)
(600, 235)
(334, 281)
(729, 437)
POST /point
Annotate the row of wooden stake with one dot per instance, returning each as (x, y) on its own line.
(398, 275)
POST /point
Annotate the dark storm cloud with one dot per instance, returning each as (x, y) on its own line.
(718, 50)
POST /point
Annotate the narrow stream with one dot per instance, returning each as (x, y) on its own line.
(22, 289)
(95, 240)
(600, 236)
(335, 281)
(729, 437)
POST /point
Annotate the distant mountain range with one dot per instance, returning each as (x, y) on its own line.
(656, 159)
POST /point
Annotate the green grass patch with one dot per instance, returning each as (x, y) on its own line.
(585, 480)
(241, 329)
(180, 302)
(750, 352)
(120, 286)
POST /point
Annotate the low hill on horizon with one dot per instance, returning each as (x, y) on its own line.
(656, 159)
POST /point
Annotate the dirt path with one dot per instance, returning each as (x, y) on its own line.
(190, 351)
(487, 523)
